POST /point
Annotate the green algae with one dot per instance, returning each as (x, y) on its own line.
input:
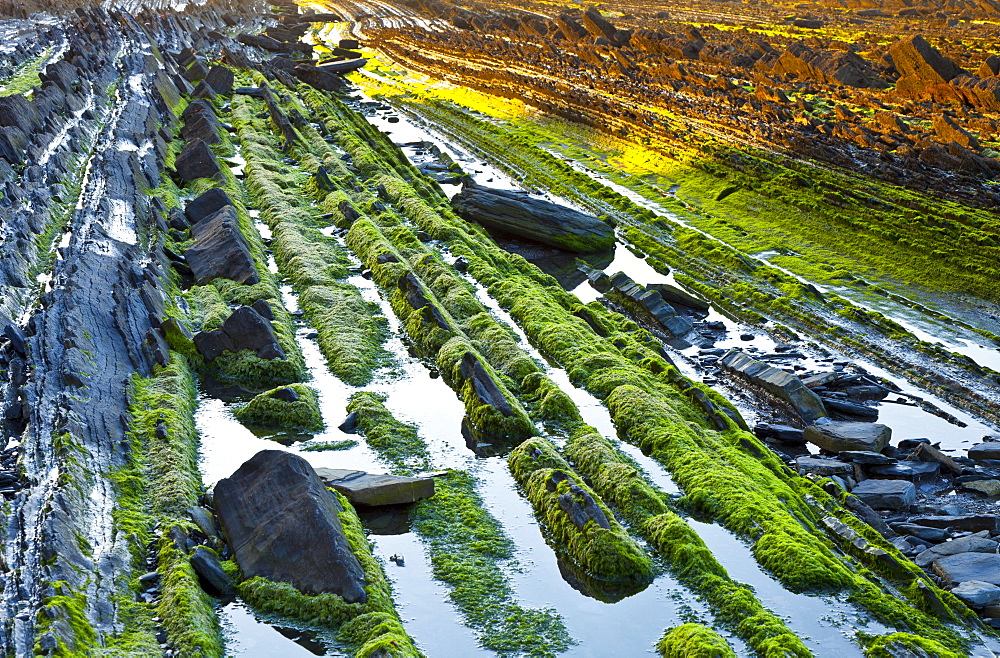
(646, 509)
(693, 641)
(266, 409)
(898, 644)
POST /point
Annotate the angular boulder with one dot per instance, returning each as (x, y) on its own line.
(779, 383)
(371, 490)
(221, 80)
(986, 450)
(207, 204)
(219, 250)
(978, 593)
(839, 436)
(886, 494)
(520, 214)
(197, 161)
(245, 329)
(282, 524)
(914, 57)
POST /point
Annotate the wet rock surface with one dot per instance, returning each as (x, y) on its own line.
(372, 490)
(526, 216)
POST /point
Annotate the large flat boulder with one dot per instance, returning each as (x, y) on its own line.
(371, 490)
(520, 214)
(779, 383)
(985, 450)
(219, 250)
(281, 524)
(963, 523)
(838, 436)
(963, 567)
(886, 494)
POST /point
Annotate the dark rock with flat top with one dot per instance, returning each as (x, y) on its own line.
(835, 437)
(486, 389)
(282, 524)
(207, 204)
(985, 450)
(373, 490)
(886, 494)
(219, 250)
(963, 567)
(520, 214)
(197, 161)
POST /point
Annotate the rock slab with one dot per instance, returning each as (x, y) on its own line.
(281, 523)
(886, 494)
(520, 214)
(373, 490)
(779, 383)
(961, 568)
(838, 436)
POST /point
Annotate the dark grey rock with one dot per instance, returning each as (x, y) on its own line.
(221, 80)
(285, 394)
(977, 593)
(518, 213)
(219, 250)
(886, 494)
(965, 522)
(986, 450)
(785, 386)
(926, 533)
(838, 436)
(823, 467)
(780, 433)
(282, 524)
(963, 567)
(195, 161)
(977, 543)
(907, 470)
(212, 577)
(245, 329)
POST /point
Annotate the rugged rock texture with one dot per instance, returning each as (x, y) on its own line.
(220, 250)
(520, 214)
(281, 524)
(779, 383)
(245, 329)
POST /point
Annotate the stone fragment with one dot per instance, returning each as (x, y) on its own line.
(977, 593)
(211, 576)
(963, 567)
(245, 329)
(822, 467)
(371, 490)
(986, 450)
(207, 204)
(518, 213)
(219, 250)
(977, 543)
(965, 522)
(784, 385)
(197, 161)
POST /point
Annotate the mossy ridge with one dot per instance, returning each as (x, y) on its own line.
(693, 641)
(371, 628)
(268, 410)
(168, 461)
(604, 553)
(604, 365)
(897, 644)
(465, 542)
(616, 478)
(245, 367)
(351, 332)
(64, 615)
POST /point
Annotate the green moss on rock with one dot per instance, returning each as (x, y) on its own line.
(693, 641)
(268, 409)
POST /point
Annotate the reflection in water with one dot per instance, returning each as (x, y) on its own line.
(248, 635)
